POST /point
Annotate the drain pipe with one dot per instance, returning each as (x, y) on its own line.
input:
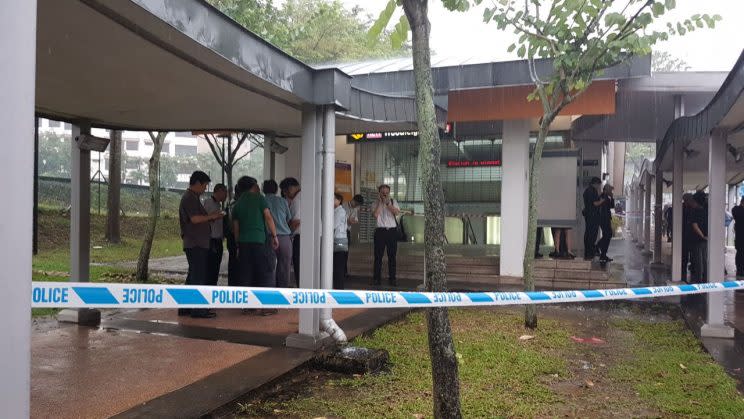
(327, 324)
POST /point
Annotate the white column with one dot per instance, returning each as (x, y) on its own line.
(80, 226)
(514, 190)
(633, 213)
(677, 191)
(17, 78)
(79, 208)
(658, 194)
(308, 336)
(714, 325)
(269, 158)
(326, 204)
(647, 215)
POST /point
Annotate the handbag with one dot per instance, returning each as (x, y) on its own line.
(400, 232)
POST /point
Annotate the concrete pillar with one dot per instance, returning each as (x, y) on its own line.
(647, 245)
(677, 191)
(80, 226)
(309, 336)
(328, 156)
(515, 186)
(633, 213)
(17, 78)
(658, 194)
(269, 158)
(714, 325)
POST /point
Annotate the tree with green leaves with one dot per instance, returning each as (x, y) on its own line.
(158, 138)
(313, 31)
(446, 384)
(582, 37)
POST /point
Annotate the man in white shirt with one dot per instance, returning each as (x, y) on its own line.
(384, 209)
(213, 204)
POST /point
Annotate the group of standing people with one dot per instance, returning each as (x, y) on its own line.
(262, 234)
(598, 204)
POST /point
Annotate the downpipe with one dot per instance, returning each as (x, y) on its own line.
(327, 324)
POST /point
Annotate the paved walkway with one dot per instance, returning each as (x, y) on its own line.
(152, 363)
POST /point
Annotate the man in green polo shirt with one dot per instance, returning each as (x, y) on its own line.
(251, 218)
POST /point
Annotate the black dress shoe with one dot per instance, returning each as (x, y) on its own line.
(554, 255)
(538, 255)
(184, 311)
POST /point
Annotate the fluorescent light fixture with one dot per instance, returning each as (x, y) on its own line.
(91, 142)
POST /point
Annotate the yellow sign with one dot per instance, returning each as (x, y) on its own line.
(357, 136)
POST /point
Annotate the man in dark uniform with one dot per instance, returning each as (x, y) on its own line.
(605, 222)
(738, 214)
(195, 232)
(592, 202)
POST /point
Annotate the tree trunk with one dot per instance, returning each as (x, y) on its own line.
(446, 391)
(144, 256)
(113, 202)
(530, 313)
(229, 178)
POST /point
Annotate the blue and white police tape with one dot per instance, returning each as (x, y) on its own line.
(77, 294)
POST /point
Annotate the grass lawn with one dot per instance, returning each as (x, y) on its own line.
(53, 261)
(649, 365)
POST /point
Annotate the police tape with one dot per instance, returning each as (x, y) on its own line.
(94, 295)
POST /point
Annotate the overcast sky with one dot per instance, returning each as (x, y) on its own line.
(465, 35)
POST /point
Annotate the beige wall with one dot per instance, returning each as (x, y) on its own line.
(345, 154)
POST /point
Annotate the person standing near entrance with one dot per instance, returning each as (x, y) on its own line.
(195, 232)
(592, 202)
(212, 205)
(291, 191)
(384, 210)
(340, 242)
(738, 213)
(605, 222)
(697, 231)
(280, 212)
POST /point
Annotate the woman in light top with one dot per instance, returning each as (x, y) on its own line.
(340, 243)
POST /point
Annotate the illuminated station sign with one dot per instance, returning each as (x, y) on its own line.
(473, 163)
(376, 137)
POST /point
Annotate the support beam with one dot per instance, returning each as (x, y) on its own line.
(714, 325)
(658, 195)
(678, 271)
(80, 226)
(269, 158)
(17, 84)
(648, 184)
(309, 336)
(326, 204)
(515, 185)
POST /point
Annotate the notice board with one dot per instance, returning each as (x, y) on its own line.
(556, 199)
(343, 180)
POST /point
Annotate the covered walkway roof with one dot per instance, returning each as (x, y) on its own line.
(183, 66)
(723, 112)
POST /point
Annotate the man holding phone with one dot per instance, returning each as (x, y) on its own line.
(384, 210)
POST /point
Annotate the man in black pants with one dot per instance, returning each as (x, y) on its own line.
(384, 209)
(592, 202)
(195, 231)
(605, 222)
(211, 205)
(738, 213)
(290, 188)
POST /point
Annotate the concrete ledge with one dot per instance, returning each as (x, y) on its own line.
(721, 331)
(540, 273)
(81, 316)
(308, 342)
